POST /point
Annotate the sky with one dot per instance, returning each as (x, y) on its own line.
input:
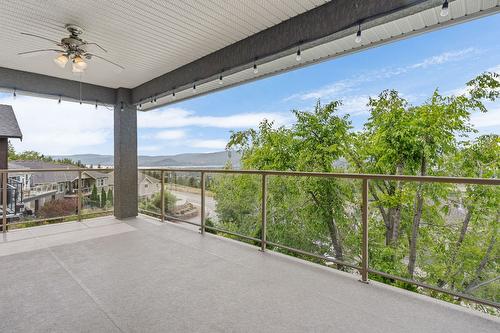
(445, 59)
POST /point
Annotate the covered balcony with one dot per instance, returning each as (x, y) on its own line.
(139, 275)
(132, 249)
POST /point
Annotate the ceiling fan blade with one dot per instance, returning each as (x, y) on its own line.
(36, 51)
(45, 38)
(99, 46)
(113, 63)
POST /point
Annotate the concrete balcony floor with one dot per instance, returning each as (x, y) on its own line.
(138, 275)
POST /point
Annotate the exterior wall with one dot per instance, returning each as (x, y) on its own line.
(146, 189)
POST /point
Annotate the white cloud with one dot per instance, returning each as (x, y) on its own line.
(488, 119)
(218, 144)
(176, 117)
(494, 69)
(65, 128)
(443, 58)
(340, 88)
(354, 105)
(170, 135)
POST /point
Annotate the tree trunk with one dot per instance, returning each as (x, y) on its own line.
(332, 228)
(482, 265)
(461, 237)
(419, 204)
(336, 241)
(396, 219)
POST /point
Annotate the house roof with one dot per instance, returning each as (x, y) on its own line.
(46, 177)
(9, 128)
(96, 174)
(140, 178)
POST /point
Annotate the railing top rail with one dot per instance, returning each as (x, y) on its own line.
(103, 170)
(429, 179)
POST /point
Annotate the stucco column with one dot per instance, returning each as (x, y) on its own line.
(125, 177)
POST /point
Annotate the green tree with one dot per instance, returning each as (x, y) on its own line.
(103, 198)
(314, 143)
(110, 196)
(11, 154)
(441, 234)
(94, 197)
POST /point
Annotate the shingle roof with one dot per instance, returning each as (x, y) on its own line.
(140, 177)
(46, 177)
(9, 128)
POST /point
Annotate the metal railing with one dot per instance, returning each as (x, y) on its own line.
(78, 216)
(364, 269)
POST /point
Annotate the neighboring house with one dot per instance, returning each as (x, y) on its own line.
(146, 185)
(9, 128)
(40, 187)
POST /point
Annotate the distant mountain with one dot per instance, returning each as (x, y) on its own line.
(217, 159)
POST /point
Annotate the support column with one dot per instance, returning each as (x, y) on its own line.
(125, 159)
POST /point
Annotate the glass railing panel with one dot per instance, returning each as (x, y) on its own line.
(182, 195)
(317, 215)
(233, 204)
(438, 234)
(98, 191)
(39, 198)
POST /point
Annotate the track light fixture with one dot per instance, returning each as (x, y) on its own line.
(255, 69)
(221, 79)
(298, 57)
(358, 35)
(445, 10)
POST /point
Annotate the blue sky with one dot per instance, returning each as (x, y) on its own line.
(446, 59)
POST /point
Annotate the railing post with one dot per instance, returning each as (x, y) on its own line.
(162, 196)
(79, 200)
(4, 201)
(202, 213)
(264, 213)
(364, 241)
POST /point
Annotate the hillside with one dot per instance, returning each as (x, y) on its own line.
(217, 159)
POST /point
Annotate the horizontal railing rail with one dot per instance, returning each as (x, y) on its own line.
(364, 269)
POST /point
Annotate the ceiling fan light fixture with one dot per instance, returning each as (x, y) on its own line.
(77, 69)
(61, 60)
(79, 63)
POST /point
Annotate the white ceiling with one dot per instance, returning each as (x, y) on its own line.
(147, 37)
(421, 22)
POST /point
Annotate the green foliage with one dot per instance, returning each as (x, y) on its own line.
(440, 234)
(94, 197)
(31, 155)
(153, 204)
(103, 198)
(110, 197)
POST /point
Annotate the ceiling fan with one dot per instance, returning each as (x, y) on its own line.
(73, 48)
